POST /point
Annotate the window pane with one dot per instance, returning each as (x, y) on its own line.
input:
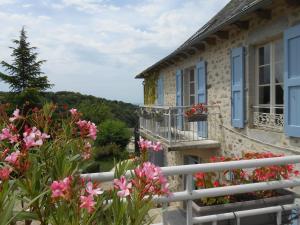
(192, 100)
(192, 77)
(264, 75)
(264, 55)
(279, 72)
(278, 111)
(279, 95)
(264, 110)
(264, 95)
(278, 50)
(192, 88)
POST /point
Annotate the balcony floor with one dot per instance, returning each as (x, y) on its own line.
(184, 145)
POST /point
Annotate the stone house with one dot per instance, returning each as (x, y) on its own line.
(244, 64)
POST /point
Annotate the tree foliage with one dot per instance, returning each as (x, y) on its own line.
(25, 70)
(113, 131)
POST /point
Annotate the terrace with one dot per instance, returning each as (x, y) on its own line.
(275, 211)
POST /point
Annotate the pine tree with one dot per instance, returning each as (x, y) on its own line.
(25, 70)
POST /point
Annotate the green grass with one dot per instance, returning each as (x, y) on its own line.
(106, 164)
(103, 165)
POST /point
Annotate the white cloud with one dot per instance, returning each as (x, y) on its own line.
(99, 46)
(6, 2)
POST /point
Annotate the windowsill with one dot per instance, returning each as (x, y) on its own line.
(254, 127)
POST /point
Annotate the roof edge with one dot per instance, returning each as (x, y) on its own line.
(252, 7)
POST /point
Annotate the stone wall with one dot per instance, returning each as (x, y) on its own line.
(235, 141)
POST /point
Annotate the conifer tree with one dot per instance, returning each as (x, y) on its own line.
(25, 70)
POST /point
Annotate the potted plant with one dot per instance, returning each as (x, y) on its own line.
(158, 115)
(197, 113)
(144, 113)
(239, 202)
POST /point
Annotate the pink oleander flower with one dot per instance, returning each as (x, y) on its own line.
(61, 188)
(4, 153)
(150, 180)
(4, 173)
(87, 128)
(16, 115)
(144, 144)
(6, 134)
(34, 137)
(73, 111)
(87, 151)
(91, 191)
(87, 202)
(122, 185)
(13, 158)
(148, 145)
(156, 147)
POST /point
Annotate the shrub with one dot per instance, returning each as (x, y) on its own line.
(114, 132)
(41, 162)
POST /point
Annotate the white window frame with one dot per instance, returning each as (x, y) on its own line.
(186, 87)
(273, 116)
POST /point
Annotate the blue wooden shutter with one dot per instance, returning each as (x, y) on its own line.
(160, 90)
(179, 98)
(201, 95)
(237, 87)
(292, 81)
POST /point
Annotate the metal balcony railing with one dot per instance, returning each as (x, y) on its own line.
(189, 194)
(172, 126)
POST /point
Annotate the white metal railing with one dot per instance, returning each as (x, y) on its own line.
(190, 194)
(170, 124)
(268, 117)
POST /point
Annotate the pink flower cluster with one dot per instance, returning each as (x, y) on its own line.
(149, 145)
(13, 158)
(148, 180)
(62, 188)
(73, 111)
(7, 134)
(16, 115)
(34, 137)
(87, 151)
(4, 173)
(87, 128)
(87, 200)
(123, 186)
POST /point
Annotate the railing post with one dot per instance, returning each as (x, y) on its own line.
(189, 205)
(169, 127)
(279, 218)
(164, 212)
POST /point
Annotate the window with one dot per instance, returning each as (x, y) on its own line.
(189, 87)
(269, 82)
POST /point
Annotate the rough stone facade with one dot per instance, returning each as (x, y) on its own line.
(235, 141)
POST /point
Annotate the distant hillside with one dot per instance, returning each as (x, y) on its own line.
(94, 108)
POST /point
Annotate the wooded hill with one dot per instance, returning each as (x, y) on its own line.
(94, 108)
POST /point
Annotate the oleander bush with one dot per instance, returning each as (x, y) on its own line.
(42, 156)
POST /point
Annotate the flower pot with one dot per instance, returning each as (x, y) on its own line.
(284, 197)
(197, 117)
(159, 119)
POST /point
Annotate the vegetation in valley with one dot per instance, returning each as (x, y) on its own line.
(115, 119)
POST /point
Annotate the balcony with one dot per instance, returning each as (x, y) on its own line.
(170, 126)
(271, 118)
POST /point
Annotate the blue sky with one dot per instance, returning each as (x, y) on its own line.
(97, 46)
